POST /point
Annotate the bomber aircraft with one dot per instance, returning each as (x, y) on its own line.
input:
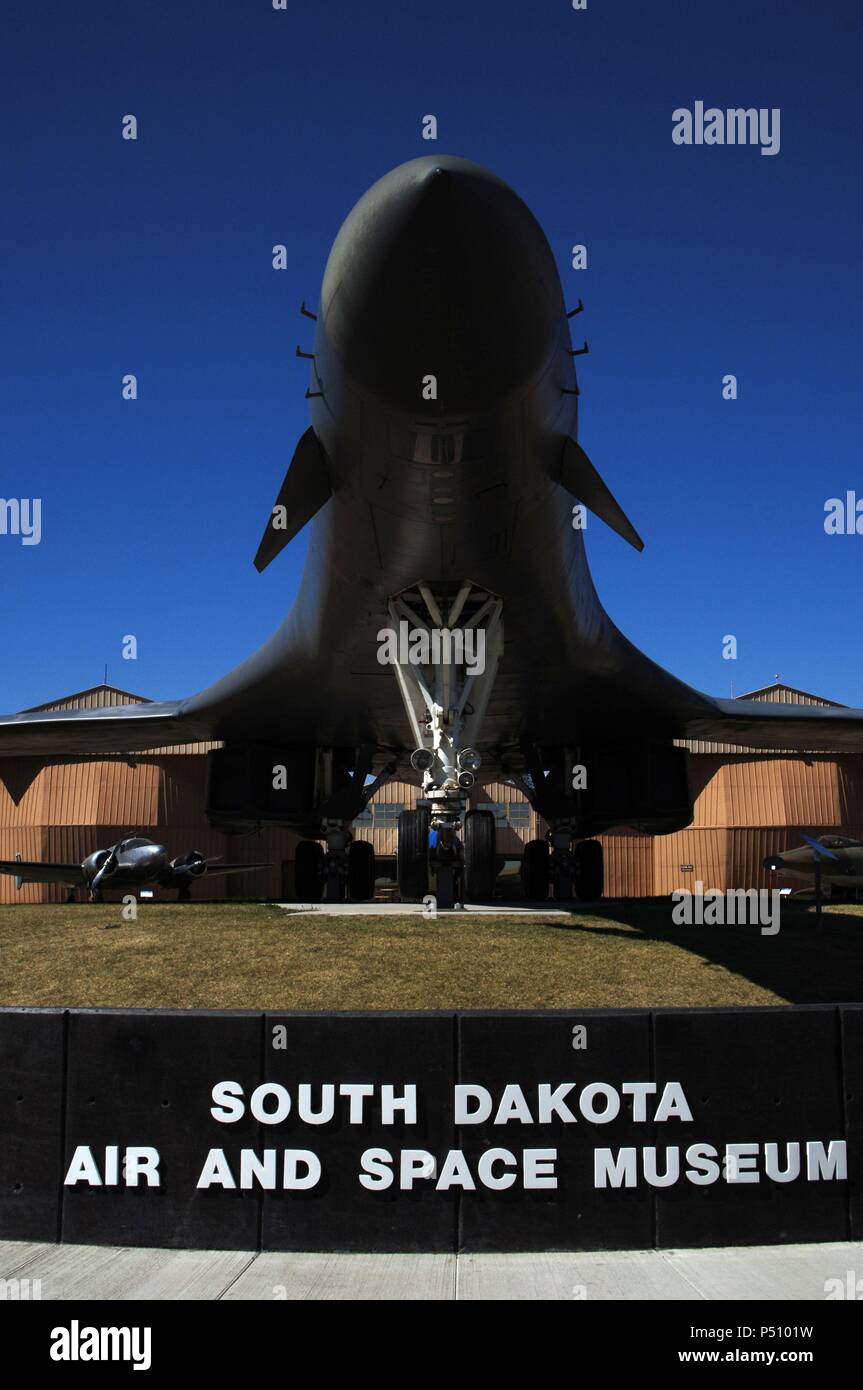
(439, 472)
(132, 863)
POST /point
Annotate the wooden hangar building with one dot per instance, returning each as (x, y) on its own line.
(747, 804)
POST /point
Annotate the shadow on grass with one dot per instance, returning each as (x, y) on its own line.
(802, 963)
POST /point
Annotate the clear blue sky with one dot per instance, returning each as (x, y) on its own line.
(257, 127)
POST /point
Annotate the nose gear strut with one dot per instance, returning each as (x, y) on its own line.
(445, 668)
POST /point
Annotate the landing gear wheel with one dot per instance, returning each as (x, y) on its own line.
(589, 870)
(480, 856)
(534, 871)
(361, 870)
(309, 871)
(413, 853)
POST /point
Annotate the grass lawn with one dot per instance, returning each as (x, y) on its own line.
(626, 954)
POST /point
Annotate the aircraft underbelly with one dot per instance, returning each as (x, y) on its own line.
(566, 671)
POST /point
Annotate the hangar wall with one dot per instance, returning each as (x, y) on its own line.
(747, 804)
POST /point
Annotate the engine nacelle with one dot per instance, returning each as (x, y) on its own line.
(94, 862)
(191, 865)
(645, 786)
(250, 783)
(254, 784)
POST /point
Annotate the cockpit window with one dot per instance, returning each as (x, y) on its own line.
(839, 842)
(452, 444)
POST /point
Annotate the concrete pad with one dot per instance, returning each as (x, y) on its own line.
(388, 909)
(428, 1278)
(640, 1275)
(84, 1272)
(768, 1271)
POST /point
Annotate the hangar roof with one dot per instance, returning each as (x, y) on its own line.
(788, 695)
(94, 697)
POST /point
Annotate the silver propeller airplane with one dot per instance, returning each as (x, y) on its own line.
(132, 863)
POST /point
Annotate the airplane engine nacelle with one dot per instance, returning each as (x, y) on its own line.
(254, 784)
(94, 862)
(251, 784)
(191, 865)
(645, 786)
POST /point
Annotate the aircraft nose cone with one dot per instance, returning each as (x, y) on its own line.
(441, 271)
(435, 193)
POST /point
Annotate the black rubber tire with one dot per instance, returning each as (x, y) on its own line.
(413, 853)
(534, 871)
(308, 871)
(361, 871)
(480, 856)
(589, 870)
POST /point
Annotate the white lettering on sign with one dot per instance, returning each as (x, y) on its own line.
(300, 1170)
(140, 1164)
(736, 1163)
(599, 1103)
(271, 1103)
(495, 1168)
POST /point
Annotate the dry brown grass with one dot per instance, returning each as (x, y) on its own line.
(254, 956)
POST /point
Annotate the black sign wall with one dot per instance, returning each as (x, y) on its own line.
(597, 1130)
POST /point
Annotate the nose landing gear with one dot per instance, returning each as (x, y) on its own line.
(459, 872)
(430, 857)
(445, 696)
(480, 855)
(412, 855)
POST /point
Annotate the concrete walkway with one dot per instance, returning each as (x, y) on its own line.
(83, 1272)
(389, 909)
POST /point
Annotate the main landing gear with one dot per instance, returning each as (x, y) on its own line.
(346, 868)
(573, 870)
